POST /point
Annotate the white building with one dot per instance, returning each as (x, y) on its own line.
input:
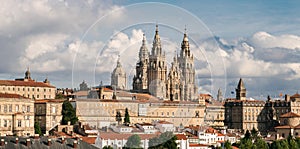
(164, 126)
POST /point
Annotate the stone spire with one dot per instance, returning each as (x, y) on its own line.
(143, 53)
(156, 49)
(185, 46)
(241, 84)
(118, 76)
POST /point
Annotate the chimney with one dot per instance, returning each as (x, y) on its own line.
(17, 140)
(28, 142)
(62, 140)
(49, 142)
(2, 142)
(75, 144)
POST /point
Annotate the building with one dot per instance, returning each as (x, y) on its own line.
(152, 75)
(245, 114)
(214, 114)
(100, 113)
(16, 115)
(118, 77)
(48, 113)
(28, 88)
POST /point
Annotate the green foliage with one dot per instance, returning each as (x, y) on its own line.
(133, 141)
(118, 117)
(247, 135)
(261, 144)
(227, 145)
(68, 113)
(126, 118)
(165, 140)
(107, 147)
(37, 128)
(246, 143)
(254, 134)
(59, 96)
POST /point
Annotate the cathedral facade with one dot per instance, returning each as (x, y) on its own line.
(152, 75)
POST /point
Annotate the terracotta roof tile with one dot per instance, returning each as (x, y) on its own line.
(5, 95)
(24, 83)
(118, 136)
(198, 145)
(296, 96)
(181, 137)
(289, 115)
(284, 127)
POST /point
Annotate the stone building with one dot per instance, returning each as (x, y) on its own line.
(100, 113)
(28, 88)
(244, 114)
(214, 114)
(151, 72)
(118, 77)
(48, 113)
(16, 115)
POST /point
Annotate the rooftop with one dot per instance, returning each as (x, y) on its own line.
(24, 83)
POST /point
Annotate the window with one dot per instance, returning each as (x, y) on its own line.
(5, 123)
(28, 108)
(37, 96)
(23, 89)
(44, 96)
(53, 109)
(13, 89)
(5, 108)
(18, 89)
(44, 90)
(28, 89)
(38, 89)
(19, 123)
(17, 108)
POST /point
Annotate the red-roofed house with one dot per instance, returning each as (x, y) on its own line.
(164, 126)
(28, 88)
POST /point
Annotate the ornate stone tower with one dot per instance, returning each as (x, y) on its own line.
(241, 90)
(118, 77)
(186, 64)
(174, 86)
(157, 70)
(140, 80)
(220, 95)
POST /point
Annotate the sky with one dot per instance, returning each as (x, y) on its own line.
(71, 41)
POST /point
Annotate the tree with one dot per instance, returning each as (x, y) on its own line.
(227, 145)
(118, 117)
(261, 144)
(68, 113)
(126, 118)
(276, 145)
(165, 140)
(59, 96)
(246, 143)
(37, 128)
(247, 135)
(254, 133)
(133, 141)
(107, 147)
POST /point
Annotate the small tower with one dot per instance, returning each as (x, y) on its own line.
(241, 90)
(220, 95)
(140, 80)
(83, 86)
(118, 76)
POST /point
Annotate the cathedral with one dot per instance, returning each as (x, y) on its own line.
(152, 75)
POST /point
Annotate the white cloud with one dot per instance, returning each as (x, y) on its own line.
(266, 40)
